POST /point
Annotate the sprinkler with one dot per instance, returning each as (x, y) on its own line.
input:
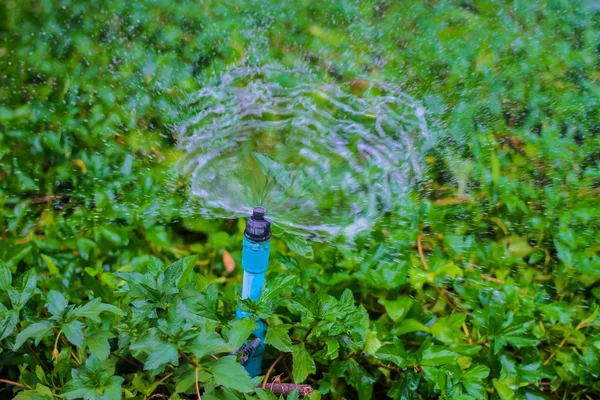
(255, 260)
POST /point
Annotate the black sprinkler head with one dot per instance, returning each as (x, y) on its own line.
(258, 229)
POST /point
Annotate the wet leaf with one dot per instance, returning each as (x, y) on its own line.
(304, 365)
(229, 373)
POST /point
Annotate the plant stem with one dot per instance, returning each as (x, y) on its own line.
(55, 352)
(564, 341)
(312, 326)
(197, 385)
(165, 378)
(271, 369)
(15, 383)
(194, 363)
(23, 386)
(420, 246)
(43, 364)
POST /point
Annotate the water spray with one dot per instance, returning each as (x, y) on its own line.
(361, 154)
(255, 261)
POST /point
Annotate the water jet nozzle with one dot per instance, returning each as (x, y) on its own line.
(255, 261)
(258, 229)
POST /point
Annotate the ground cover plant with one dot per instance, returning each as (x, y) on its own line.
(486, 287)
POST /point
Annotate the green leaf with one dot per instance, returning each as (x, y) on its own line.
(178, 273)
(8, 322)
(372, 344)
(94, 381)
(161, 355)
(5, 277)
(24, 289)
(51, 265)
(448, 329)
(275, 288)
(476, 373)
(44, 390)
(86, 248)
(73, 331)
(229, 373)
(393, 352)
(300, 246)
(140, 285)
(495, 168)
(437, 355)
(346, 304)
(272, 169)
(333, 346)
(30, 395)
(409, 325)
(304, 365)
(240, 330)
(397, 309)
(360, 379)
(406, 388)
(591, 318)
(112, 388)
(204, 304)
(98, 345)
(263, 394)
(278, 337)
(92, 310)
(516, 335)
(294, 395)
(207, 343)
(111, 235)
(37, 331)
(188, 378)
(154, 265)
(504, 390)
(57, 303)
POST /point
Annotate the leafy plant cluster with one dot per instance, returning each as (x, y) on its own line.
(486, 287)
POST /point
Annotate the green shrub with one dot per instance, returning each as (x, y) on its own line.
(488, 287)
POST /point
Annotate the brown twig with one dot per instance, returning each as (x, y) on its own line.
(165, 378)
(444, 295)
(451, 201)
(75, 357)
(45, 199)
(23, 386)
(264, 384)
(197, 385)
(557, 349)
(287, 388)
(43, 364)
(15, 383)
(492, 279)
(579, 326)
(421, 251)
(194, 363)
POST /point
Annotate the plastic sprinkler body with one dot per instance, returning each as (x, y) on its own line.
(255, 260)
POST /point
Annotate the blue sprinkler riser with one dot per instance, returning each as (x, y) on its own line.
(255, 261)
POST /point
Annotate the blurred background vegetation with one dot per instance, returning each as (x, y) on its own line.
(509, 276)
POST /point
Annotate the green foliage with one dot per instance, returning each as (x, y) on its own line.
(92, 305)
(95, 381)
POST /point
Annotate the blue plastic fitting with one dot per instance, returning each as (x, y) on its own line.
(255, 261)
